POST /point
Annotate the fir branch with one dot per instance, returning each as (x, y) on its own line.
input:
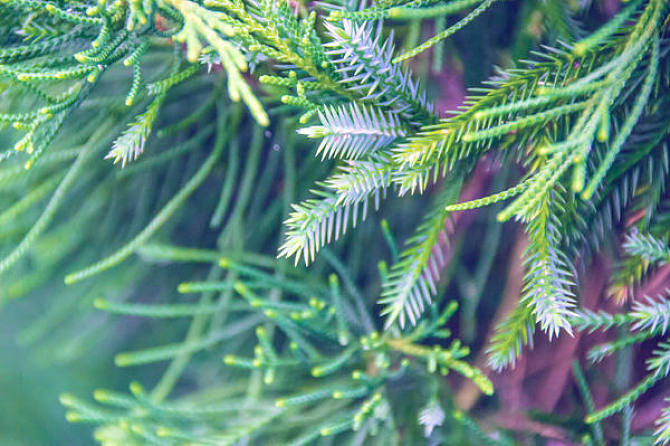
(364, 62)
(652, 316)
(352, 131)
(318, 221)
(412, 281)
(130, 144)
(548, 280)
(512, 334)
(650, 248)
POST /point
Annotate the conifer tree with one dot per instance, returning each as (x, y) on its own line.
(260, 213)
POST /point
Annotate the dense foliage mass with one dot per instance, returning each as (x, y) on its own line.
(246, 133)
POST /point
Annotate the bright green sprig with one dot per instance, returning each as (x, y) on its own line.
(625, 400)
(612, 26)
(627, 127)
(130, 144)
(412, 13)
(162, 86)
(491, 199)
(446, 33)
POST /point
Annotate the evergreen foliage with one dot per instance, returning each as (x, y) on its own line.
(251, 131)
